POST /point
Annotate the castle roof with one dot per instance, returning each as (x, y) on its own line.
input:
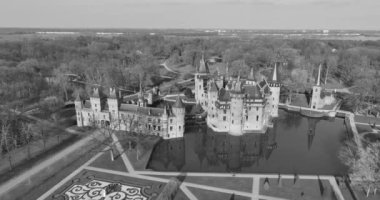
(224, 95)
(178, 103)
(197, 109)
(253, 92)
(213, 87)
(142, 110)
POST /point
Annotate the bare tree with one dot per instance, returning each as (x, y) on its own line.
(170, 189)
(27, 136)
(364, 165)
(7, 141)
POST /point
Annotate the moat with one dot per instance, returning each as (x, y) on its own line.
(295, 144)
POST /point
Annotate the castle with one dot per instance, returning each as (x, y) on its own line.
(134, 116)
(237, 105)
(232, 104)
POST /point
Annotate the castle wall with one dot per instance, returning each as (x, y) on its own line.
(236, 114)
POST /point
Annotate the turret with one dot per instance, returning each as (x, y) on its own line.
(95, 100)
(78, 103)
(317, 89)
(178, 125)
(275, 86)
(78, 107)
(113, 105)
(141, 102)
(200, 79)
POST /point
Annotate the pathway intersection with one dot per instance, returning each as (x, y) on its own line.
(150, 183)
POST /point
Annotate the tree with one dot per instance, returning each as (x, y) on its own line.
(62, 78)
(364, 165)
(170, 189)
(27, 136)
(8, 143)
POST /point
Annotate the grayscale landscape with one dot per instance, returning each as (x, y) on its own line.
(190, 100)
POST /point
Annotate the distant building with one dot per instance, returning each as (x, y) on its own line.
(237, 105)
(134, 116)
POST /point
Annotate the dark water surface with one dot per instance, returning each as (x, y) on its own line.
(295, 144)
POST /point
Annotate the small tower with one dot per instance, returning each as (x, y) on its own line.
(164, 122)
(113, 106)
(78, 103)
(141, 102)
(178, 110)
(78, 108)
(317, 89)
(95, 101)
(275, 86)
(201, 78)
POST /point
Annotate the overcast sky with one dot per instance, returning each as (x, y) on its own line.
(240, 14)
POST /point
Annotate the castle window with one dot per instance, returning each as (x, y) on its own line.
(171, 121)
(159, 128)
(225, 111)
(224, 118)
(179, 127)
(158, 120)
(257, 118)
(257, 108)
(246, 117)
(171, 128)
(232, 121)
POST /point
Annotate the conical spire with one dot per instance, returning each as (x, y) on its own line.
(274, 76)
(251, 75)
(78, 98)
(178, 103)
(203, 66)
(319, 75)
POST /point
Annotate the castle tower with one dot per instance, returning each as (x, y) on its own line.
(113, 108)
(78, 108)
(201, 78)
(275, 86)
(317, 89)
(212, 98)
(164, 121)
(141, 102)
(95, 101)
(178, 125)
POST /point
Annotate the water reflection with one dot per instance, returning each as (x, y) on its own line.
(306, 146)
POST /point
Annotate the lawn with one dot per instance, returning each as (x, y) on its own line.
(302, 189)
(144, 145)
(208, 194)
(105, 162)
(232, 183)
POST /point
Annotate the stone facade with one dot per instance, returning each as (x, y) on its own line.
(237, 105)
(167, 122)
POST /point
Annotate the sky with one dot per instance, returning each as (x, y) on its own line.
(205, 14)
